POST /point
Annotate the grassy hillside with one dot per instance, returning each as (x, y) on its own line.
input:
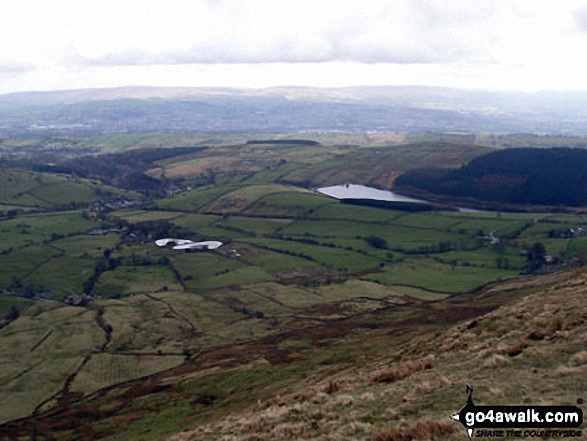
(530, 351)
(22, 191)
(400, 377)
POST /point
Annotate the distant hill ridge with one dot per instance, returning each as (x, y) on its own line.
(555, 177)
(290, 110)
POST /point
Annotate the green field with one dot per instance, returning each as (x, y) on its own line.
(82, 245)
(287, 205)
(437, 277)
(192, 200)
(63, 275)
(32, 229)
(21, 189)
(126, 280)
(19, 264)
(106, 369)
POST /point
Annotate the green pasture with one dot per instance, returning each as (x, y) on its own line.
(20, 396)
(338, 211)
(39, 352)
(194, 266)
(9, 302)
(238, 276)
(435, 220)
(493, 215)
(253, 299)
(126, 280)
(254, 226)
(438, 277)
(62, 275)
(195, 221)
(144, 325)
(487, 256)
(134, 216)
(554, 247)
(544, 227)
(370, 165)
(218, 322)
(273, 262)
(6, 208)
(192, 200)
(22, 262)
(272, 173)
(398, 237)
(307, 155)
(86, 245)
(360, 246)
(335, 258)
(357, 289)
(28, 229)
(106, 369)
(287, 296)
(576, 246)
(15, 185)
(238, 200)
(287, 204)
(486, 226)
(45, 190)
(577, 220)
(65, 193)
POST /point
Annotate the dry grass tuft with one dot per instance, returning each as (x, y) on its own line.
(563, 371)
(401, 371)
(422, 429)
(496, 361)
(332, 387)
(579, 359)
(516, 348)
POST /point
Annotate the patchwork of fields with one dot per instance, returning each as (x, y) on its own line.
(292, 259)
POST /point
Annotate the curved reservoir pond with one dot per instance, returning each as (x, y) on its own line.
(353, 191)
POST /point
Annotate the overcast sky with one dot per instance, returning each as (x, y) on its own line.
(525, 45)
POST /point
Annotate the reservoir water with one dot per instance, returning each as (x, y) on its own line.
(353, 191)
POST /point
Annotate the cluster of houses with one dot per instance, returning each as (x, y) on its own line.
(108, 205)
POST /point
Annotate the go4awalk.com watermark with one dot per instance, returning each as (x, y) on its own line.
(520, 421)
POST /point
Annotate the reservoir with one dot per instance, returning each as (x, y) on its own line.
(353, 191)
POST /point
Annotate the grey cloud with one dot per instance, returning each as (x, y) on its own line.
(405, 52)
(419, 32)
(581, 19)
(12, 69)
